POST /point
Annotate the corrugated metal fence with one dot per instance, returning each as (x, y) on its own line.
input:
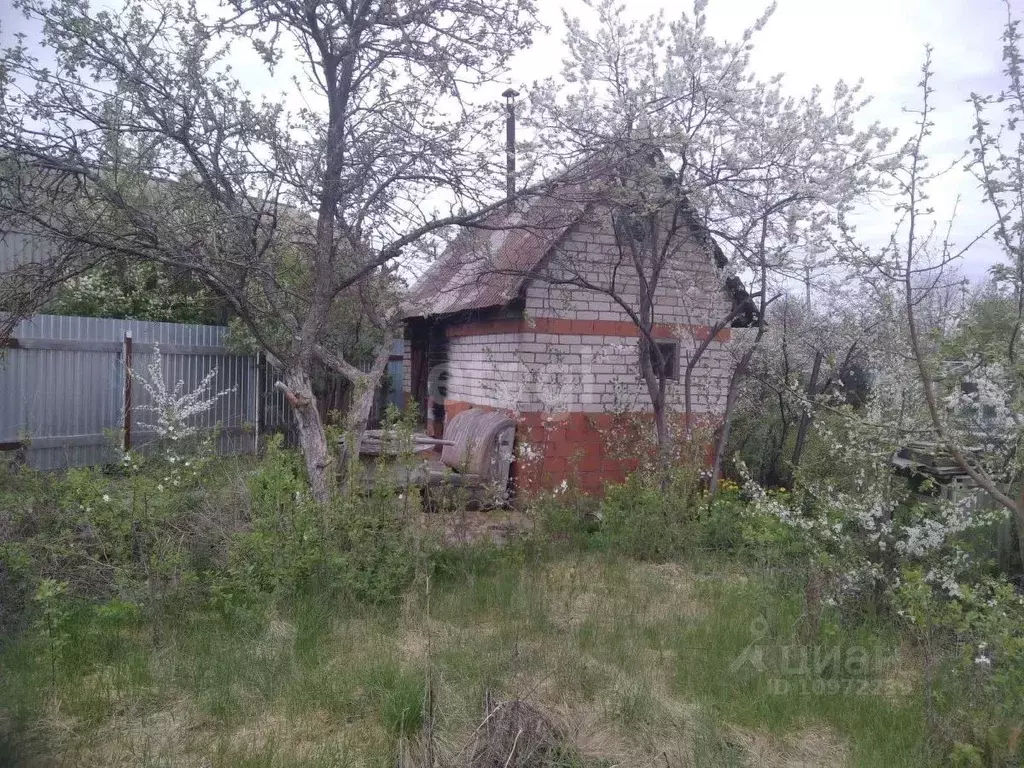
(17, 249)
(63, 383)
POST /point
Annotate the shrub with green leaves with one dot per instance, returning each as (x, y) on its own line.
(646, 517)
(976, 642)
(354, 543)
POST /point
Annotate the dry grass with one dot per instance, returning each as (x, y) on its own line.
(135, 739)
(599, 655)
(817, 747)
(495, 526)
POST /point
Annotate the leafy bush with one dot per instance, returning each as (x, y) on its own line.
(375, 559)
(646, 516)
(729, 525)
(125, 532)
(164, 534)
(356, 544)
(979, 675)
(654, 516)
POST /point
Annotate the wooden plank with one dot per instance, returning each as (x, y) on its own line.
(373, 444)
(418, 438)
(415, 443)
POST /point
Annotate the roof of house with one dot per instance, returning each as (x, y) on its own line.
(487, 264)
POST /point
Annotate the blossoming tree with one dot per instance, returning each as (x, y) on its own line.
(696, 143)
(138, 140)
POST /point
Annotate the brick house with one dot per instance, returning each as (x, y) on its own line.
(495, 323)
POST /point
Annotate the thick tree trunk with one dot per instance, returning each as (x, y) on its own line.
(312, 438)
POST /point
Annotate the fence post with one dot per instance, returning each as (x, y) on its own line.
(256, 405)
(127, 356)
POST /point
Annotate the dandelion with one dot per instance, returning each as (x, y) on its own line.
(106, 497)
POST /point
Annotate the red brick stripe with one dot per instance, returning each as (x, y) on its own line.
(558, 325)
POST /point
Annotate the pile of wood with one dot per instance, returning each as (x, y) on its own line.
(932, 459)
(387, 442)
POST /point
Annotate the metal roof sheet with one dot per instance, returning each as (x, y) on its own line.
(487, 263)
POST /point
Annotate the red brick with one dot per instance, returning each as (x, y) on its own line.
(556, 467)
(560, 325)
(575, 447)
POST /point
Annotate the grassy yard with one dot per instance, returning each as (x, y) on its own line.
(634, 664)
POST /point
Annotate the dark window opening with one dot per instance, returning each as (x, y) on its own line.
(669, 355)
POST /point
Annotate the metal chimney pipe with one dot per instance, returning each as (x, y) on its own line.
(510, 146)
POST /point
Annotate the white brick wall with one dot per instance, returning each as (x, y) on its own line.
(593, 373)
(570, 374)
(690, 289)
(486, 370)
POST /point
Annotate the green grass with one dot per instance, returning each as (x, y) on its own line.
(636, 662)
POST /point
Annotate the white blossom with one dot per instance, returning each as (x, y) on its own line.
(175, 407)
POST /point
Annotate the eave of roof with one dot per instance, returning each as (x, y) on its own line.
(487, 263)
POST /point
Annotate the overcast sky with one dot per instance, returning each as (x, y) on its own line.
(816, 42)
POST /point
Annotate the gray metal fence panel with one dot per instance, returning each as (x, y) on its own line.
(62, 387)
(17, 249)
(60, 400)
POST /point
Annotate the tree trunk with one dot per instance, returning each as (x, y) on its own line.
(662, 434)
(312, 438)
(737, 376)
(364, 390)
(805, 416)
(723, 436)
